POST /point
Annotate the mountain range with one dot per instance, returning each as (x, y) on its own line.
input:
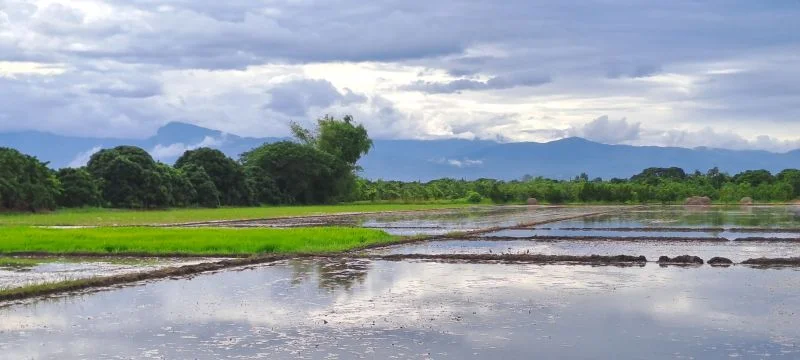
(429, 159)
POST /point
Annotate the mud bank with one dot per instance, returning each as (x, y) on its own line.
(679, 229)
(133, 255)
(597, 238)
(479, 232)
(106, 281)
(341, 219)
(768, 239)
(519, 258)
(680, 260)
(794, 261)
(720, 261)
(636, 229)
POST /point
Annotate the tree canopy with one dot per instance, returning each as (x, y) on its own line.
(26, 184)
(228, 175)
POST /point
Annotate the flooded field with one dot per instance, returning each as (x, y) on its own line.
(318, 309)
(436, 222)
(350, 307)
(735, 251)
(32, 271)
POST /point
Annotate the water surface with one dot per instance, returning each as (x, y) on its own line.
(319, 309)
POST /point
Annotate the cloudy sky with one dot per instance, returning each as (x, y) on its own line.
(722, 73)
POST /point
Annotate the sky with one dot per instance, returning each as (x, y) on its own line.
(717, 73)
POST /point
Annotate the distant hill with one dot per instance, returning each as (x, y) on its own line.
(430, 159)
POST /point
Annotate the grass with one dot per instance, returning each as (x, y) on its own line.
(110, 217)
(45, 288)
(186, 241)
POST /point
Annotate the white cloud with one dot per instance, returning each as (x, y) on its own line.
(608, 131)
(83, 158)
(171, 151)
(459, 163)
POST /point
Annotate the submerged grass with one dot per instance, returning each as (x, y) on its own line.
(40, 289)
(107, 217)
(186, 241)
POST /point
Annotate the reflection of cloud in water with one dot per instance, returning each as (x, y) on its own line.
(449, 310)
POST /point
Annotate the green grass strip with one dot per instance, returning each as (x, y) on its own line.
(108, 217)
(187, 241)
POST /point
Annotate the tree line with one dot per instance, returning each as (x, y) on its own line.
(652, 185)
(318, 168)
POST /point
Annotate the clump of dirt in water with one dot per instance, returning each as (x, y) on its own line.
(681, 260)
(720, 261)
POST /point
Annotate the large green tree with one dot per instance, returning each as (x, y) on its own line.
(129, 178)
(206, 193)
(228, 175)
(302, 173)
(79, 188)
(181, 192)
(26, 184)
(754, 177)
(343, 138)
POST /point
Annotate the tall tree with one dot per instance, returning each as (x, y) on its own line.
(26, 183)
(341, 138)
(302, 173)
(79, 188)
(228, 175)
(206, 193)
(129, 178)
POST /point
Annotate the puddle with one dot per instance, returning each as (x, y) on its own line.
(60, 269)
(320, 309)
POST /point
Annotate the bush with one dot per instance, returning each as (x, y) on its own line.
(474, 198)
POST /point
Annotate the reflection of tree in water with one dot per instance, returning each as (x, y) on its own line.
(706, 216)
(453, 216)
(332, 273)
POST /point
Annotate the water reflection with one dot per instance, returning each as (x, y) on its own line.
(424, 310)
(736, 251)
(753, 216)
(330, 274)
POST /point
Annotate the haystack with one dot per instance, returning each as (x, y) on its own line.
(698, 201)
